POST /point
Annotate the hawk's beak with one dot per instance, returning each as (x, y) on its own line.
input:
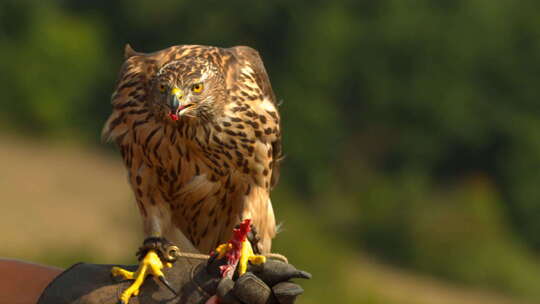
(175, 100)
(177, 103)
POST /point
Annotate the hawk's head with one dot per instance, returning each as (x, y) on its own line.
(190, 88)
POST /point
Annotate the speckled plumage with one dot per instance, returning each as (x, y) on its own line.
(196, 178)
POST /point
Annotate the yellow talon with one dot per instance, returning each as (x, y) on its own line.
(150, 265)
(247, 255)
(119, 272)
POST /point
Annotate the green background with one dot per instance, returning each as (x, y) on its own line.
(411, 128)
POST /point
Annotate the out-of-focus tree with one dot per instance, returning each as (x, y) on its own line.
(387, 106)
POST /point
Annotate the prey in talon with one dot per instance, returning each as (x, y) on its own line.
(199, 132)
(238, 251)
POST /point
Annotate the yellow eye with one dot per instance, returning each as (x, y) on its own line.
(197, 88)
(162, 88)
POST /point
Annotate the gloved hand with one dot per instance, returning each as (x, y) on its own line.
(193, 278)
(268, 283)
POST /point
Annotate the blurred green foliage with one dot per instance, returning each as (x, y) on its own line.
(412, 127)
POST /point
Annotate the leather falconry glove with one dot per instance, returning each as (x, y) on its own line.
(193, 279)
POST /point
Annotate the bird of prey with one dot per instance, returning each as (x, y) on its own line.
(199, 132)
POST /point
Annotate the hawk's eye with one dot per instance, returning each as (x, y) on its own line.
(197, 88)
(162, 88)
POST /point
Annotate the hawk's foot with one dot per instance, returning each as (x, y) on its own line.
(154, 255)
(250, 251)
(238, 251)
(247, 255)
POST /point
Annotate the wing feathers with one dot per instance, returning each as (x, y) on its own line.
(247, 56)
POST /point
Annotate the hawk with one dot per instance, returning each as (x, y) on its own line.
(199, 133)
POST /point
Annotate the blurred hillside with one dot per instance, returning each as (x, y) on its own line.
(411, 132)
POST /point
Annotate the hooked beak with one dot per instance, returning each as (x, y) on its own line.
(177, 103)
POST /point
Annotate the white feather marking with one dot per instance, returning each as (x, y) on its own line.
(247, 70)
(204, 75)
(268, 105)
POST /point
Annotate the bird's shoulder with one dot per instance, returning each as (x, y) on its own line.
(245, 74)
(253, 104)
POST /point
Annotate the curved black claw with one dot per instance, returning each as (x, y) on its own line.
(167, 284)
(166, 251)
(254, 239)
